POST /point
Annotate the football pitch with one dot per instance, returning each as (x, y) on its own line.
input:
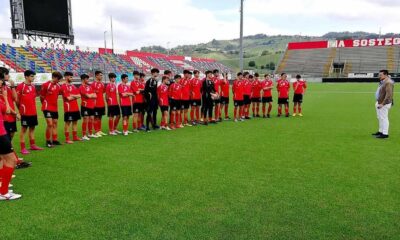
(322, 176)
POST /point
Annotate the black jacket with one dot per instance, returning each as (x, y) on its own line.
(151, 88)
(207, 88)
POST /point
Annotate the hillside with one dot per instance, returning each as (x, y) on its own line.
(261, 50)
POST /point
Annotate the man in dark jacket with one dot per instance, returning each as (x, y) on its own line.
(208, 97)
(152, 100)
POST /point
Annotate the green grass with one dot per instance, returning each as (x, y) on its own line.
(318, 177)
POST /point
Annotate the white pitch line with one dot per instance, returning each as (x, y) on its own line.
(340, 92)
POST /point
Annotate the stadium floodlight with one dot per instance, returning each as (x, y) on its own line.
(105, 41)
(241, 36)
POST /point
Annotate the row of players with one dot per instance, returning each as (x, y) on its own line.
(174, 95)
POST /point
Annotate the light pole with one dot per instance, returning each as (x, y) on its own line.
(105, 41)
(241, 36)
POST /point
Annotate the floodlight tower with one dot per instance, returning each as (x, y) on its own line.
(241, 36)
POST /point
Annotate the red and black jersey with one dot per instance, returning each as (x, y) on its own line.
(86, 101)
(67, 90)
(163, 95)
(49, 96)
(99, 88)
(27, 99)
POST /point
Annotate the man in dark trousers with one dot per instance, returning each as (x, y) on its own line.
(208, 97)
(152, 100)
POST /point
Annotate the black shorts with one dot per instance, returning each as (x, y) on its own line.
(113, 111)
(238, 103)
(298, 98)
(126, 111)
(49, 114)
(87, 112)
(196, 103)
(246, 99)
(98, 112)
(72, 116)
(283, 100)
(267, 99)
(217, 101)
(185, 104)
(164, 108)
(11, 127)
(224, 100)
(175, 105)
(5, 145)
(256, 100)
(137, 107)
(29, 121)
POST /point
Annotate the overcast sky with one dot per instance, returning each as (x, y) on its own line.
(140, 23)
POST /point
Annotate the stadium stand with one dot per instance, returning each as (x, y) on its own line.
(21, 55)
(319, 59)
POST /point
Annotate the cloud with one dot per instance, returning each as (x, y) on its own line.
(140, 23)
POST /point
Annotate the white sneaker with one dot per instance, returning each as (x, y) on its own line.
(162, 128)
(236, 120)
(10, 185)
(126, 133)
(117, 132)
(129, 132)
(168, 129)
(93, 136)
(188, 125)
(10, 196)
(99, 135)
(135, 131)
(13, 176)
(85, 138)
(102, 134)
(113, 134)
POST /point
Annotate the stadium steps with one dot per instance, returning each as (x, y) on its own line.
(348, 68)
(328, 65)
(390, 59)
(34, 58)
(282, 64)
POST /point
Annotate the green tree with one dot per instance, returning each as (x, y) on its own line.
(252, 64)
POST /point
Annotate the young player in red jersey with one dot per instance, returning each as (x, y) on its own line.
(163, 101)
(125, 94)
(267, 85)
(256, 95)
(7, 157)
(195, 90)
(49, 98)
(247, 88)
(225, 88)
(299, 88)
(175, 93)
(87, 108)
(237, 90)
(100, 107)
(283, 88)
(10, 119)
(137, 88)
(26, 102)
(70, 95)
(217, 85)
(185, 101)
(113, 109)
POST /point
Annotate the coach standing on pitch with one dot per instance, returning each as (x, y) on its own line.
(152, 100)
(384, 101)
